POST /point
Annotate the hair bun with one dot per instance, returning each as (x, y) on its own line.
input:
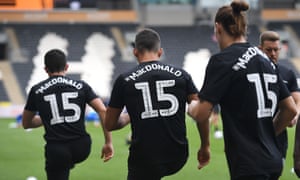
(239, 5)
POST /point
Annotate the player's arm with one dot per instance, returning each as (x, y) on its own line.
(296, 97)
(107, 149)
(31, 120)
(203, 111)
(115, 119)
(200, 111)
(297, 150)
(287, 112)
(100, 108)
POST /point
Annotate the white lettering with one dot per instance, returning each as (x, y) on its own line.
(148, 68)
(59, 80)
(246, 57)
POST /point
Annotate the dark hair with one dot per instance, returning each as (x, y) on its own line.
(147, 40)
(268, 36)
(55, 60)
(232, 19)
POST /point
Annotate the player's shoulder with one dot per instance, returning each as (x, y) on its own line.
(284, 68)
(222, 60)
(236, 50)
(62, 81)
(167, 65)
(40, 83)
(68, 81)
(286, 72)
(174, 70)
(146, 69)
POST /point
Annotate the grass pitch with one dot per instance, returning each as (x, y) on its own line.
(21, 156)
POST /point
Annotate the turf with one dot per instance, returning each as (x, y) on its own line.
(21, 155)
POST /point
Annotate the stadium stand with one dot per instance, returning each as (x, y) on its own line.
(3, 95)
(76, 36)
(176, 41)
(99, 51)
(278, 4)
(22, 72)
(281, 24)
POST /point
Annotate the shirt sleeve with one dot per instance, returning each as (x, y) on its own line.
(283, 91)
(293, 85)
(117, 94)
(217, 80)
(30, 104)
(90, 94)
(191, 88)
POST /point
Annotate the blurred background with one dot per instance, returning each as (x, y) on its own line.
(97, 36)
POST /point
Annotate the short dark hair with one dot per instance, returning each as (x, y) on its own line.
(147, 40)
(268, 36)
(55, 60)
(232, 18)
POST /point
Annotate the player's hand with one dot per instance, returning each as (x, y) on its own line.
(203, 156)
(293, 122)
(107, 152)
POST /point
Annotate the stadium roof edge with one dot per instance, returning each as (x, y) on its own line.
(280, 15)
(104, 16)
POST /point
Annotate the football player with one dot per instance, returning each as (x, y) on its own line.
(61, 103)
(248, 88)
(155, 95)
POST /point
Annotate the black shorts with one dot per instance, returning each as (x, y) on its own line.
(282, 141)
(62, 156)
(153, 172)
(273, 176)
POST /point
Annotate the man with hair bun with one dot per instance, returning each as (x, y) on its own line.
(248, 89)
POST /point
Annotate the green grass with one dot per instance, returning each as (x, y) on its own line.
(21, 155)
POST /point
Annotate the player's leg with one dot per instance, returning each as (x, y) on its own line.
(273, 176)
(253, 177)
(167, 169)
(58, 161)
(153, 172)
(142, 172)
(138, 170)
(80, 149)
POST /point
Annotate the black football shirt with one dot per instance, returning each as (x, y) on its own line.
(61, 103)
(155, 96)
(247, 86)
(290, 80)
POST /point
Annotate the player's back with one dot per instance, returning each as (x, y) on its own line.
(162, 88)
(289, 77)
(254, 88)
(61, 103)
(155, 96)
(251, 91)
